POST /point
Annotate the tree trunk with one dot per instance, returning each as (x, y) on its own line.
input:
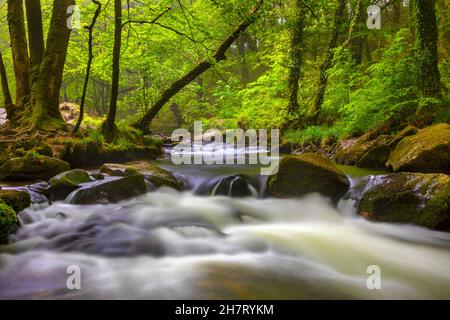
(19, 49)
(296, 59)
(144, 122)
(45, 90)
(426, 38)
(109, 127)
(326, 65)
(35, 36)
(5, 88)
(89, 63)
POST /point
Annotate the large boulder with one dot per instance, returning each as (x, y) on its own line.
(32, 168)
(414, 198)
(8, 221)
(66, 182)
(306, 173)
(427, 151)
(16, 199)
(158, 176)
(109, 190)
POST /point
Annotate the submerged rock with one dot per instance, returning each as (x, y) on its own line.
(158, 176)
(66, 182)
(32, 168)
(109, 190)
(16, 199)
(234, 186)
(427, 151)
(307, 173)
(420, 199)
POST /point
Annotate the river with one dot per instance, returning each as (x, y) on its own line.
(196, 245)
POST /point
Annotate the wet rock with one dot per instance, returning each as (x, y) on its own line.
(427, 151)
(16, 199)
(8, 221)
(349, 152)
(158, 176)
(32, 168)
(307, 173)
(420, 199)
(234, 186)
(66, 182)
(109, 190)
(40, 192)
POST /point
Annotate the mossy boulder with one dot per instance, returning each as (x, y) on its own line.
(307, 173)
(32, 168)
(427, 151)
(16, 199)
(88, 153)
(158, 176)
(66, 182)
(8, 221)
(349, 152)
(376, 157)
(109, 190)
(413, 198)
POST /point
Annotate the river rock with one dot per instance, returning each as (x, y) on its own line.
(8, 221)
(158, 176)
(16, 199)
(66, 182)
(234, 186)
(414, 198)
(427, 151)
(109, 190)
(32, 168)
(307, 173)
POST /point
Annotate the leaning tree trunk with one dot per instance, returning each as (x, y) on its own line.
(35, 36)
(143, 123)
(5, 88)
(426, 52)
(89, 64)
(326, 65)
(21, 62)
(109, 127)
(297, 29)
(45, 90)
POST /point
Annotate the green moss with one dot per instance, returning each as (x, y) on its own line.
(64, 183)
(18, 200)
(8, 221)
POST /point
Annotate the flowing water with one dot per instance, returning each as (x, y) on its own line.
(191, 245)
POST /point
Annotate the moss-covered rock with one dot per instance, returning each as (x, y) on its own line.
(32, 168)
(109, 190)
(88, 153)
(306, 173)
(158, 176)
(369, 152)
(16, 199)
(427, 151)
(66, 182)
(420, 199)
(8, 221)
